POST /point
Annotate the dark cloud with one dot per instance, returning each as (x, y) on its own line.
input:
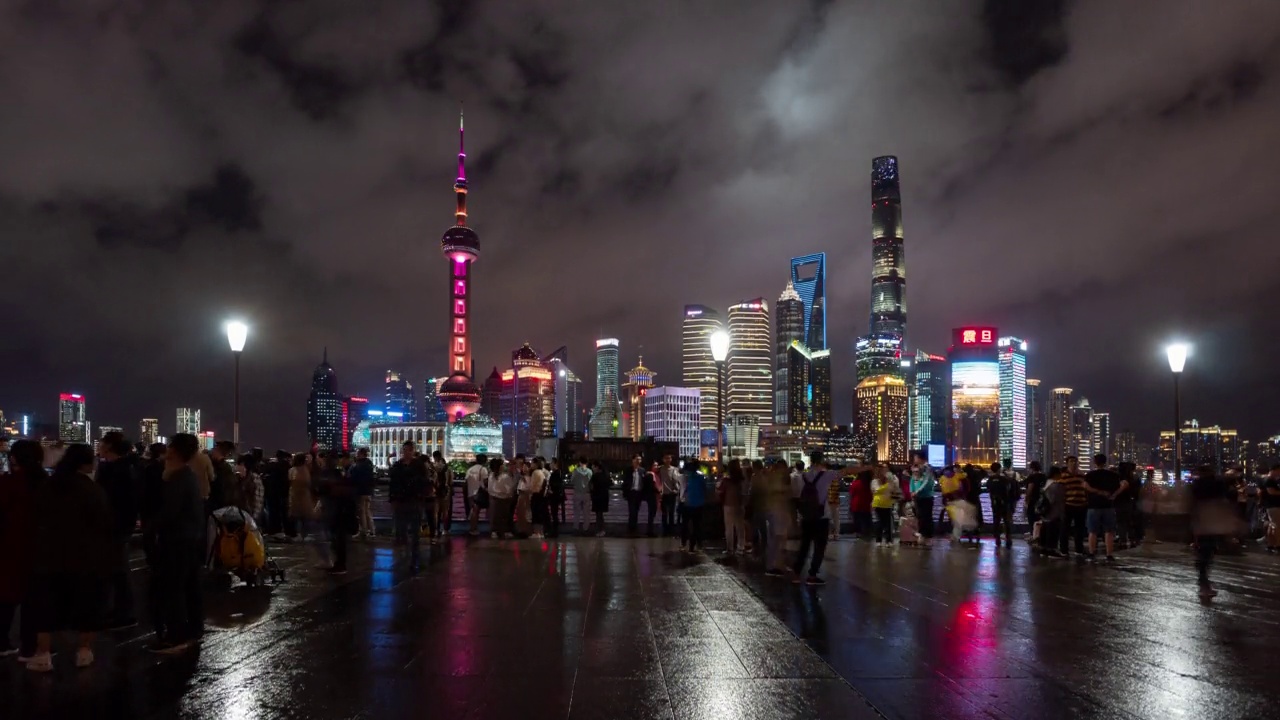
(1095, 177)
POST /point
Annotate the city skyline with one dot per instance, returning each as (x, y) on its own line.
(1045, 203)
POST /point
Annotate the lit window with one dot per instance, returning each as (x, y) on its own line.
(460, 288)
(459, 345)
(459, 364)
(459, 307)
(459, 326)
(459, 268)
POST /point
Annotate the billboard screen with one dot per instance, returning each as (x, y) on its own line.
(975, 387)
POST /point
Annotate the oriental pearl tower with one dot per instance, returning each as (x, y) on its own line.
(458, 394)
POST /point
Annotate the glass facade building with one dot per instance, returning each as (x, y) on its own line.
(674, 414)
(1058, 444)
(749, 380)
(698, 367)
(188, 421)
(881, 405)
(888, 261)
(1013, 400)
(400, 401)
(975, 396)
(73, 420)
(789, 330)
(809, 281)
(324, 408)
(929, 401)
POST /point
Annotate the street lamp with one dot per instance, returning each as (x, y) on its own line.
(719, 352)
(1177, 353)
(237, 333)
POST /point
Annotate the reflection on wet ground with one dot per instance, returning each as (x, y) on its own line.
(613, 628)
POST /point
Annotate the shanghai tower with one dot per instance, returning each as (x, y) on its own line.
(880, 351)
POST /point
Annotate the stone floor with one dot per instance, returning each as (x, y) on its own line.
(614, 628)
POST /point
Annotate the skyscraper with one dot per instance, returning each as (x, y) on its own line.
(808, 392)
(1013, 400)
(73, 421)
(1126, 447)
(750, 367)
(673, 414)
(930, 401)
(491, 397)
(401, 405)
(568, 393)
(698, 366)
(880, 351)
(1102, 435)
(975, 396)
(148, 431)
(1058, 443)
(1082, 433)
(639, 380)
(1035, 424)
(606, 369)
(432, 409)
(881, 411)
(529, 402)
(790, 314)
(809, 279)
(324, 408)
(188, 421)
(461, 246)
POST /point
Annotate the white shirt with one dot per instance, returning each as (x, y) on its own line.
(537, 481)
(477, 477)
(637, 478)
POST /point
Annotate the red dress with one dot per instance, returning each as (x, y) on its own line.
(16, 529)
(859, 496)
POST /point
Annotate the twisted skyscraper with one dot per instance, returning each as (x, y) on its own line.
(880, 352)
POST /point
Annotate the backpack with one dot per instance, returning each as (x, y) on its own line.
(811, 506)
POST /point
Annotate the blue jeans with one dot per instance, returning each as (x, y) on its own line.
(1100, 521)
(407, 521)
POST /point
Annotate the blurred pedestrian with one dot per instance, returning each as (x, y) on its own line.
(599, 491)
(1076, 511)
(302, 500)
(502, 490)
(922, 488)
(477, 479)
(885, 494)
(775, 501)
(538, 511)
(119, 477)
(1270, 498)
(406, 491)
(669, 486)
(444, 494)
(555, 497)
(179, 554)
(25, 470)
(1052, 508)
(275, 488)
(340, 508)
(730, 492)
(75, 553)
(1212, 519)
(362, 479)
(693, 497)
(640, 487)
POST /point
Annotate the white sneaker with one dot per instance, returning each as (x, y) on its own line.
(42, 662)
(84, 657)
(493, 535)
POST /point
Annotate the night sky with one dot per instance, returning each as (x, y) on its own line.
(1097, 177)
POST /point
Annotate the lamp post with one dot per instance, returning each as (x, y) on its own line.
(237, 333)
(1177, 353)
(719, 352)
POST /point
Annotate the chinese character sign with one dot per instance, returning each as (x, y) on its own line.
(974, 336)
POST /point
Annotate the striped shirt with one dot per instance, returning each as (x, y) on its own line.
(1073, 486)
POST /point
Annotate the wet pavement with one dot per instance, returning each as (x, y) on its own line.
(616, 628)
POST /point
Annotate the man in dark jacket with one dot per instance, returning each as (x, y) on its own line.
(407, 492)
(180, 531)
(275, 491)
(340, 508)
(224, 489)
(119, 477)
(362, 479)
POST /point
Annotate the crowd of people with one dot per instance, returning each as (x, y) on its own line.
(68, 530)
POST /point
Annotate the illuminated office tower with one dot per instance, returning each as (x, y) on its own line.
(459, 395)
(808, 393)
(1102, 435)
(188, 421)
(930, 401)
(1058, 443)
(568, 393)
(749, 380)
(975, 396)
(324, 408)
(673, 414)
(606, 369)
(880, 409)
(698, 367)
(880, 351)
(491, 395)
(1012, 352)
(401, 405)
(639, 380)
(1126, 447)
(529, 403)
(148, 431)
(73, 422)
(1082, 433)
(790, 315)
(1035, 424)
(432, 409)
(809, 280)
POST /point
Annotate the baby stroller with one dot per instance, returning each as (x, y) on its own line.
(238, 547)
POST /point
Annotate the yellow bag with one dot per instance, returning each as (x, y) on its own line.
(229, 550)
(252, 554)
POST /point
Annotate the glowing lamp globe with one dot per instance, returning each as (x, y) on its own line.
(719, 345)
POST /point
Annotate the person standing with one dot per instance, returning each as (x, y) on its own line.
(1002, 488)
(224, 488)
(958, 509)
(776, 502)
(1125, 503)
(599, 495)
(1076, 500)
(340, 508)
(860, 504)
(813, 525)
(302, 501)
(731, 492)
(922, 490)
(538, 510)
(1103, 485)
(75, 552)
(477, 479)
(17, 510)
(693, 498)
(444, 494)
(118, 476)
(1052, 508)
(1270, 498)
(555, 497)
(669, 482)
(640, 487)
(362, 480)
(406, 491)
(502, 489)
(833, 510)
(1034, 486)
(179, 529)
(581, 478)
(885, 493)
(1212, 518)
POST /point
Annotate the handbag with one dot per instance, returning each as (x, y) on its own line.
(482, 499)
